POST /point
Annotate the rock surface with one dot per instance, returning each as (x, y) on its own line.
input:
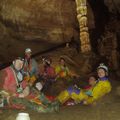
(38, 24)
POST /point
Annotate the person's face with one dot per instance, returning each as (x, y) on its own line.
(18, 64)
(92, 81)
(62, 62)
(28, 54)
(101, 73)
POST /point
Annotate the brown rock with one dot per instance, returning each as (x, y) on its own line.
(38, 24)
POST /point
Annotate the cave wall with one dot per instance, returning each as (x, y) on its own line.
(38, 24)
(43, 24)
(113, 5)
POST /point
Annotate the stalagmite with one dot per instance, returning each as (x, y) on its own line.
(83, 22)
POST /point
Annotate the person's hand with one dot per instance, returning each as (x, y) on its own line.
(74, 74)
(14, 95)
(21, 95)
(27, 78)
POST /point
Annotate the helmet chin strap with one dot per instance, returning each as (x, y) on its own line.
(19, 76)
(18, 73)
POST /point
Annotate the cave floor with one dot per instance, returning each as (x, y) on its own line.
(108, 108)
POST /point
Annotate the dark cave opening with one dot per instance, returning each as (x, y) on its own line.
(101, 15)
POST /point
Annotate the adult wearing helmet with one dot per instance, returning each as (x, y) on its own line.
(30, 69)
(48, 70)
(103, 85)
(47, 74)
(13, 81)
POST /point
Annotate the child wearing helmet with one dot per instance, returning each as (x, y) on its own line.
(102, 86)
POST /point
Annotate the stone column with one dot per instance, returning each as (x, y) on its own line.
(83, 24)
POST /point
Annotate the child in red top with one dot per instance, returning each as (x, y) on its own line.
(92, 82)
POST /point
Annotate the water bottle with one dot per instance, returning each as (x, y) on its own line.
(23, 116)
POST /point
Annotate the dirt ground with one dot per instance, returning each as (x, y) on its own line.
(108, 108)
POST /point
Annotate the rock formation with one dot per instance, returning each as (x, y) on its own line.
(40, 24)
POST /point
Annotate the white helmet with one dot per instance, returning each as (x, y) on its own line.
(102, 66)
(28, 50)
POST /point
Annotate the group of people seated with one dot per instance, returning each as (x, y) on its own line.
(24, 79)
(23, 84)
(96, 89)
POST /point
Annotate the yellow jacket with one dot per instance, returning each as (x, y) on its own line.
(102, 87)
